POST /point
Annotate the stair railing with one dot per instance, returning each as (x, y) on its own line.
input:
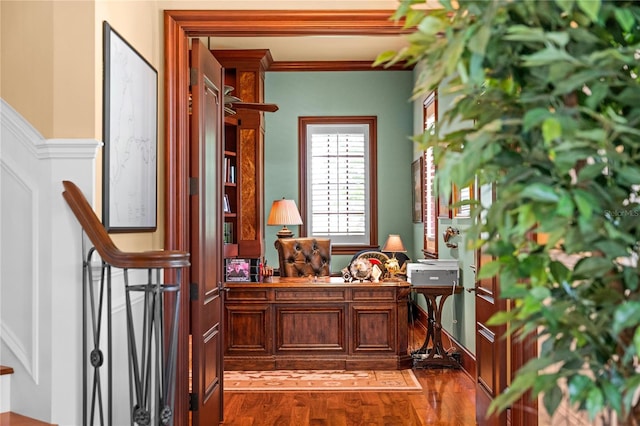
(152, 355)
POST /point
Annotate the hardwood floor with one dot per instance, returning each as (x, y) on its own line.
(447, 399)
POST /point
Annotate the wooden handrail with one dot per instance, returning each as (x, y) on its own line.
(104, 244)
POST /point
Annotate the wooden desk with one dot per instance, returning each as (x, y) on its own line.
(432, 353)
(293, 323)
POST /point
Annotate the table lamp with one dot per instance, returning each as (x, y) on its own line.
(284, 212)
(393, 245)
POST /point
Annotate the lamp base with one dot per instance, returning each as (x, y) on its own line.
(284, 233)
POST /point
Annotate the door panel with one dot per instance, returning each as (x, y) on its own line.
(206, 236)
(491, 347)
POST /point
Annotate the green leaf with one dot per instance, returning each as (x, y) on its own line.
(552, 399)
(551, 130)
(590, 7)
(413, 18)
(489, 269)
(585, 204)
(624, 18)
(548, 56)
(540, 293)
(431, 25)
(590, 267)
(384, 57)
(629, 175)
(501, 317)
(613, 395)
(595, 402)
(565, 207)
(534, 117)
(626, 315)
(478, 42)
(559, 271)
(590, 171)
(636, 340)
(524, 33)
(579, 387)
(540, 192)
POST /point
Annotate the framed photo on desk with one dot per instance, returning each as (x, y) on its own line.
(238, 270)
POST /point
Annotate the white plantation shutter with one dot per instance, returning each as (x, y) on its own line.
(430, 207)
(337, 182)
(430, 199)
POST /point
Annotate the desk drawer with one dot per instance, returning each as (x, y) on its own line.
(310, 295)
(386, 294)
(246, 294)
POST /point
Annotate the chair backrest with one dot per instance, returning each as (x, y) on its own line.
(303, 257)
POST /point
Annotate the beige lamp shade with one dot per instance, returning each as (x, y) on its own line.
(284, 212)
(394, 244)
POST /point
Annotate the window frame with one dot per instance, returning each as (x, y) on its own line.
(432, 201)
(371, 122)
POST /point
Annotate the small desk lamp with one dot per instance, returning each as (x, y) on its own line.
(393, 245)
(284, 212)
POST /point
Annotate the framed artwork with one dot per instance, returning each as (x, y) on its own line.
(130, 127)
(417, 171)
(238, 270)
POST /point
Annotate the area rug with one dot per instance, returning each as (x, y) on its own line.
(320, 380)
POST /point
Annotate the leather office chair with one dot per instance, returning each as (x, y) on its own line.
(303, 257)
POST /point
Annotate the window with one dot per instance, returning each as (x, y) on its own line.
(431, 211)
(338, 181)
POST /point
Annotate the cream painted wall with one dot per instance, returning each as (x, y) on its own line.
(51, 66)
(27, 64)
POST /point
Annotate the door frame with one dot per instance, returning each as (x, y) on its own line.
(179, 26)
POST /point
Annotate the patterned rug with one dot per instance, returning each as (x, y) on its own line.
(320, 380)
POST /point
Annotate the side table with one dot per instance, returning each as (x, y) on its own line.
(432, 353)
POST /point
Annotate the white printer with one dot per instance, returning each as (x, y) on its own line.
(436, 272)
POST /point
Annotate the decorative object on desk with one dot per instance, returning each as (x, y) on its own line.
(376, 273)
(393, 245)
(376, 258)
(360, 269)
(237, 270)
(284, 212)
(346, 275)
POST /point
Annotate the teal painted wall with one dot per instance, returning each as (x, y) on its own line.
(458, 312)
(385, 94)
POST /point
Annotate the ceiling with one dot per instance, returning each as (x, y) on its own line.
(314, 48)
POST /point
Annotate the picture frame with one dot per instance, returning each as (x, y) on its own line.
(130, 135)
(417, 172)
(239, 270)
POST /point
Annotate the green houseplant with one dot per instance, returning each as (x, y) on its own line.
(553, 92)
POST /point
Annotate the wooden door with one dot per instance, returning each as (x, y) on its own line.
(205, 206)
(492, 357)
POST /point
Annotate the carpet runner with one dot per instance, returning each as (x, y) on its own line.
(320, 380)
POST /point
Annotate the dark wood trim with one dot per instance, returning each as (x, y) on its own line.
(178, 26)
(5, 370)
(372, 122)
(334, 66)
(524, 412)
(286, 22)
(176, 154)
